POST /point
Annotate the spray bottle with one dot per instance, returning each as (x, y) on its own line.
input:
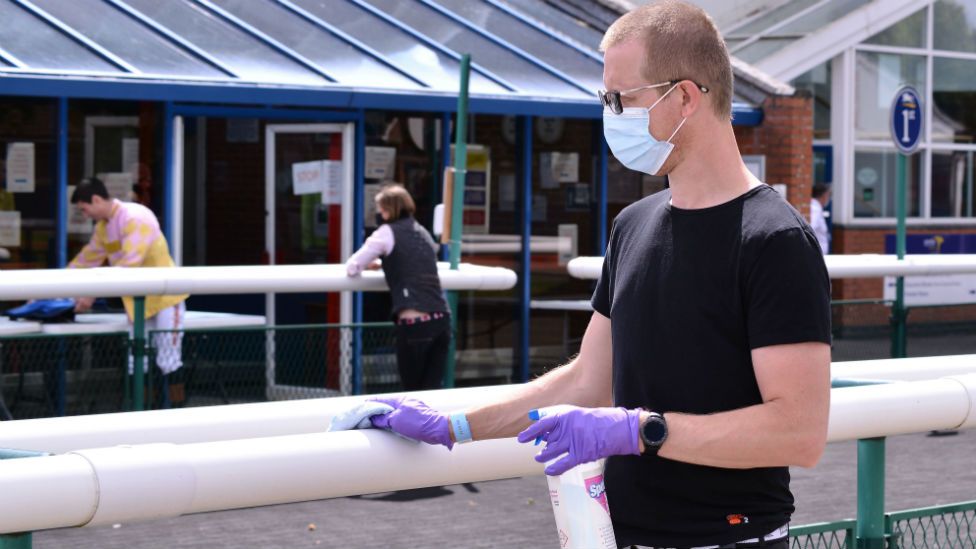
(579, 502)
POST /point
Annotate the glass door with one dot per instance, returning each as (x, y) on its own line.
(308, 198)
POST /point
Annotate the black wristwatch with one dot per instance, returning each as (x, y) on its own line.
(653, 431)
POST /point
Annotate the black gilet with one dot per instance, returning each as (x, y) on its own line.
(411, 269)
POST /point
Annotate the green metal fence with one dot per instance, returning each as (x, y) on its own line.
(939, 527)
(52, 375)
(233, 365)
(46, 375)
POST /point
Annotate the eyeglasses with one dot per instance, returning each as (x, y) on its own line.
(611, 98)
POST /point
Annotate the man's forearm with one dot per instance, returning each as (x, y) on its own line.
(772, 434)
(509, 416)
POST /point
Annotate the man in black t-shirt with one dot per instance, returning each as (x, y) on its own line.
(710, 335)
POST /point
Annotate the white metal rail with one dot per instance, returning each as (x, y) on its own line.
(128, 483)
(843, 266)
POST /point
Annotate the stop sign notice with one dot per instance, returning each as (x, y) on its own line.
(906, 119)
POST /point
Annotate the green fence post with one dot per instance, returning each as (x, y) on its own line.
(457, 208)
(20, 540)
(899, 345)
(870, 493)
(138, 354)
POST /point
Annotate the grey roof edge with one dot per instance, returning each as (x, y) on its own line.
(758, 85)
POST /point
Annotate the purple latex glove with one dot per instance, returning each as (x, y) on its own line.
(413, 419)
(584, 435)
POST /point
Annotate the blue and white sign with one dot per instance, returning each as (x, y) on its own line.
(906, 119)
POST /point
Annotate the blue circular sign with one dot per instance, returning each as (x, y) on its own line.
(906, 119)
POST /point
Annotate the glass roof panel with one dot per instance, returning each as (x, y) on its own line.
(821, 17)
(909, 32)
(246, 55)
(435, 68)
(129, 40)
(570, 26)
(772, 17)
(339, 59)
(41, 46)
(586, 70)
(528, 77)
(761, 49)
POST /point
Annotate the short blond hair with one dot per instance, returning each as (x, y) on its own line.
(396, 200)
(693, 47)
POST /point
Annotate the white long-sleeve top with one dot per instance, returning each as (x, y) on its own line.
(379, 244)
(819, 225)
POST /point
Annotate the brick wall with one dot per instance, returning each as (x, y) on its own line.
(785, 137)
(848, 240)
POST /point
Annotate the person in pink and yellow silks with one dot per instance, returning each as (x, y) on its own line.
(127, 234)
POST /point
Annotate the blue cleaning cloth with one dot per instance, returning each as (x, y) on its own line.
(358, 416)
(46, 310)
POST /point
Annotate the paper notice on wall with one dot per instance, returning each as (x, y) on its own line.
(380, 162)
(77, 222)
(10, 229)
(308, 177)
(20, 168)
(118, 184)
(130, 156)
(332, 183)
(565, 167)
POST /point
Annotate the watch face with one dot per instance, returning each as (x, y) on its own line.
(654, 430)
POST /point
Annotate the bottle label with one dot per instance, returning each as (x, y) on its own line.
(596, 489)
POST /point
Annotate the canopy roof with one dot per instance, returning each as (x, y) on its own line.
(528, 56)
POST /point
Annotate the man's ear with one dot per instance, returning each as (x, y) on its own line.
(691, 97)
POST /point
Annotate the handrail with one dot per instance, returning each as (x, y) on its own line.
(108, 485)
(292, 417)
(843, 266)
(116, 282)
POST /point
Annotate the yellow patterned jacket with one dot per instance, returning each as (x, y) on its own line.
(131, 237)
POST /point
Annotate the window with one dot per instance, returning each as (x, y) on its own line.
(940, 175)
(955, 25)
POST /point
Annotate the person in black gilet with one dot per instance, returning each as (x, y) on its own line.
(423, 327)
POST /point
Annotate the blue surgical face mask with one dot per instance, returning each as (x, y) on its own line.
(629, 137)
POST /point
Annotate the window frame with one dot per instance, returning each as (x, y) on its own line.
(844, 92)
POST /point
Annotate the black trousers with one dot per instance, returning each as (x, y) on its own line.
(778, 544)
(421, 350)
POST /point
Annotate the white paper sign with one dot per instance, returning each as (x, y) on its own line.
(308, 177)
(20, 168)
(130, 156)
(119, 185)
(934, 290)
(379, 162)
(10, 229)
(565, 167)
(332, 189)
(77, 222)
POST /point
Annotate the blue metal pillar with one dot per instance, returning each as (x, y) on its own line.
(168, 206)
(524, 141)
(61, 186)
(358, 228)
(601, 191)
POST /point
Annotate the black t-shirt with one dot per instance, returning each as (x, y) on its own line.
(689, 294)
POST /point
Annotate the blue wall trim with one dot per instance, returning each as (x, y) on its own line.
(335, 98)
